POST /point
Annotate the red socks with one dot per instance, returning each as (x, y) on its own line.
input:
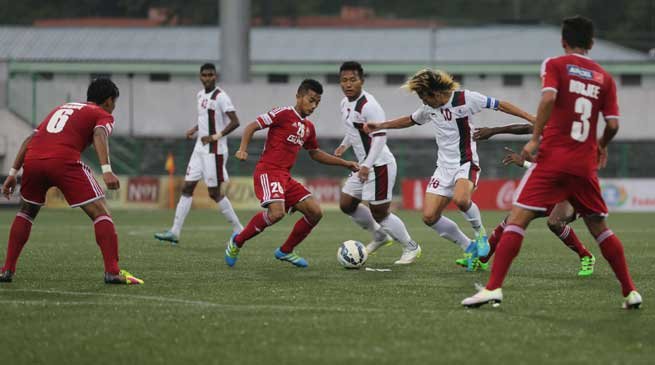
(107, 240)
(571, 241)
(493, 241)
(612, 250)
(300, 231)
(257, 224)
(507, 249)
(18, 235)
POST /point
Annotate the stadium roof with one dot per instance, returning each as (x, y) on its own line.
(507, 44)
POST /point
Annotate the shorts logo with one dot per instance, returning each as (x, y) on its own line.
(584, 73)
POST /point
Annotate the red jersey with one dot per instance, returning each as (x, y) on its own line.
(67, 131)
(584, 89)
(287, 132)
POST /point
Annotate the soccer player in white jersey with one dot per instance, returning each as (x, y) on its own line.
(216, 119)
(450, 110)
(377, 168)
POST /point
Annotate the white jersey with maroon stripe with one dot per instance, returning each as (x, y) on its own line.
(453, 124)
(212, 118)
(354, 114)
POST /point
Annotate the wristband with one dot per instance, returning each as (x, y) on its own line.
(527, 164)
(13, 172)
(106, 168)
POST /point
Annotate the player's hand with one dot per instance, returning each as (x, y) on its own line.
(529, 149)
(241, 155)
(482, 134)
(111, 181)
(340, 150)
(362, 174)
(513, 158)
(9, 186)
(602, 157)
(190, 133)
(205, 139)
(352, 166)
(371, 127)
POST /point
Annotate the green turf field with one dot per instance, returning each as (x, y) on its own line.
(193, 309)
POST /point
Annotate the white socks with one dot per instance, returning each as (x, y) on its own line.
(396, 228)
(473, 216)
(225, 207)
(450, 231)
(362, 217)
(181, 211)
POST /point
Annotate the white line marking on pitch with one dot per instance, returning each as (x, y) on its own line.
(199, 303)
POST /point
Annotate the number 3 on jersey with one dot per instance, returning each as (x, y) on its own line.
(580, 130)
(58, 120)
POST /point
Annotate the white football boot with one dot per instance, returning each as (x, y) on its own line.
(375, 245)
(632, 301)
(410, 254)
(484, 296)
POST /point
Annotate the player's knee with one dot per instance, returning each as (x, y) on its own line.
(275, 215)
(379, 215)
(347, 208)
(556, 226)
(314, 215)
(431, 219)
(215, 196)
(463, 203)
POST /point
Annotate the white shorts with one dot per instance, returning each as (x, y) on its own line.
(443, 180)
(377, 189)
(207, 166)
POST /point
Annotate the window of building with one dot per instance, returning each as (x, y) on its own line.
(513, 80)
(630, 80)
(100, 75)
(47, 76)
(278, 78)
(160, 77)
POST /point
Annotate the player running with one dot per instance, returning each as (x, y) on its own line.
(575, 90)
(278, 192)
(216, 119)
(451, 111)
(50, 156)
(558, 219)
(377, 168)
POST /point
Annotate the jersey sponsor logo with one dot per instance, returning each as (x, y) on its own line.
(578, 71)
(298, 138)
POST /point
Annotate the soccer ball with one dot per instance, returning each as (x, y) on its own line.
(352, 254)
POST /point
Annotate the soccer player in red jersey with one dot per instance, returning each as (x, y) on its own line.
(51, 157)
(288, 131)
(575, 90)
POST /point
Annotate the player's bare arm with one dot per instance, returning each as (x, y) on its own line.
(611, 128)
(484, 133)
(10, 182)
(242, 153)
(544, 110)
(101, 145)
(234, 124)
(191, 132)
(509, 108)
(400, 123)
(325, 158)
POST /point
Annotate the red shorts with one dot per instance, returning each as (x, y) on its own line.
(278, 185)
(73, 178)
(540, 190)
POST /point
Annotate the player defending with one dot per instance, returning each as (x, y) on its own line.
(288, 131)
(377, 167)
(575, 89)
(51, 157)
(209, 157)
(559, 218)
(451, 111)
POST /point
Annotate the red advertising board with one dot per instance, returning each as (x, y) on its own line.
(325, 190)
(491, 194)
(143, 189)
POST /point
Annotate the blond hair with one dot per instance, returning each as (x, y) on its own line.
(428, 81)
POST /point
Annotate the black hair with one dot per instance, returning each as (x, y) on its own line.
(100, 90)
(208, 66)
(578, 32)
(310, 84)
(352, 66)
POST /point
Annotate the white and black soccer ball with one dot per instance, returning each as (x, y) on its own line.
(352, 254)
